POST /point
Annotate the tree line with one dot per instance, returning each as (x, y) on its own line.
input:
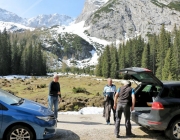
(160, 54)
(20, 54)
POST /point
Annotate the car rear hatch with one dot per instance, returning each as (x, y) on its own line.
(145, 77)
(142, 75)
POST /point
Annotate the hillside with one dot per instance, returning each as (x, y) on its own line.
(101, 23)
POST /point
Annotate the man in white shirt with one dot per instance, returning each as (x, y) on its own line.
(109, 92)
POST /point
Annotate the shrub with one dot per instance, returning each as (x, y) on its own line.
(79, 90)
(76, 108)
(43, 86)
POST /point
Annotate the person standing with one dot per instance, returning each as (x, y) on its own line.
(109, 92)
(125, 104)
(54, 95)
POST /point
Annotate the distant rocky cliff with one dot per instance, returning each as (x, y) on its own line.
(90, 7)
(121, 19)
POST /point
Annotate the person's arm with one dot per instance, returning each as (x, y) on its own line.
(114, 90)
(104, 92)
(133, 100)
(115, 100)
(59, 91)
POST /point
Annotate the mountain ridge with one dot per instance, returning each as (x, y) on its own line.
(36, 22)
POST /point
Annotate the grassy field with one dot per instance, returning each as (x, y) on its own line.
(37, 89)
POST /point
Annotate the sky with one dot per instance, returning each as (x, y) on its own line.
(32, 8)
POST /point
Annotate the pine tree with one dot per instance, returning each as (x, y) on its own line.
(153, 53)
(121, 56)
(138, 45)
(5, 54)
(145, 57)
(176, 52)
(106, 63)
(99, 66)
(163, 45)
(24, 62)
(167, 71)
(15, 60)
(114, 62)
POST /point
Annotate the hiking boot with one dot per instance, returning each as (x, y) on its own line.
(130, 135)
(117, 136)
(108, 123)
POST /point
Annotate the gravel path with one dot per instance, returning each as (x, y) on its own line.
(93, 127)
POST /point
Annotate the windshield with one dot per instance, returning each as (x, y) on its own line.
(8, 98)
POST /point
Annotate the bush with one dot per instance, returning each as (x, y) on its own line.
(43, 85)
(79, 90)
(76, 108)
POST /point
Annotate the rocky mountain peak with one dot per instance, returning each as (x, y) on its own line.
(90, 7)
(49, 20)
(7, 16)
(38, 21)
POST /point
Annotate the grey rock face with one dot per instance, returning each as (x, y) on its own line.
(90, 7)
(118, 20)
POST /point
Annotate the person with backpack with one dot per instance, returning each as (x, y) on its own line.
(125, 103)
(109, 92)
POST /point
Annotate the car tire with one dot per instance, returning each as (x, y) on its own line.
(19, 132)
(175, 130)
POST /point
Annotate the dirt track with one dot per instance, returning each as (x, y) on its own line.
(93, 127)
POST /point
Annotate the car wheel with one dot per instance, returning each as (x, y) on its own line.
(175, 130)
(20, 132)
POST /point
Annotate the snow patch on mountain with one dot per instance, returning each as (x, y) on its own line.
(49, 20)
(13, 27)
(7, 16)
(80, 30)
(98, 3)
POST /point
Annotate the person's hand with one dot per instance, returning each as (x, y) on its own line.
(132, 108)
(115, 106)
(60, 100)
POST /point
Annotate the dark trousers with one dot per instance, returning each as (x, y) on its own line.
(119, 110)
(109, 103)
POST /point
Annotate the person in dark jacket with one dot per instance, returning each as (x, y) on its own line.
(125, 103)
(54, 95)
(109, 92)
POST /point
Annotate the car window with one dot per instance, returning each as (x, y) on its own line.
(8, 98)
(147, 88)
(142, 76)
(171, 92)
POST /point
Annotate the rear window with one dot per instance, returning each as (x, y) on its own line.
(171, 92)
(142, 76)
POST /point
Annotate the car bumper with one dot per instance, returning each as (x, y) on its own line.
(44, 132)
(145, 120)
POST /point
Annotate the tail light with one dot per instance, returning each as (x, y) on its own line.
(157, 106)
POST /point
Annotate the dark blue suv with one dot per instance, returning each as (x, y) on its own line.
(157, 103)
(22, 119)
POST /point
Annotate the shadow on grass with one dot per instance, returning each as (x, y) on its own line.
(83, 122)
(62, 134)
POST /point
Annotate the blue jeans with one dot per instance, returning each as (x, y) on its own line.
(53, 101)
